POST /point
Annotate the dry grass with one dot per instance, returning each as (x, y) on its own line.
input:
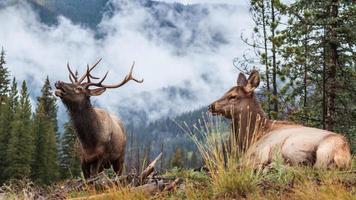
(116, 192)
(234, 176)
(289, 183)
(309, 190)
(231, 176)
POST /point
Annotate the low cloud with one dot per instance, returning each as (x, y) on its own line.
(234, 2)
(195, 51)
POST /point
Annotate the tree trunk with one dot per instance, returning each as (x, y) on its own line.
(138, 159)
(162, 159)
(131, 151)
(274, 64)
(305, 78)
(266, 59)
(332, 66)
(324, 107)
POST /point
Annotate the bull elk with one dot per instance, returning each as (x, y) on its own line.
(101, 136)
(296, 144)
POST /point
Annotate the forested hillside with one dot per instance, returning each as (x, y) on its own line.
(33, 147)
(90, 15)
(28, 141)
(169, 135)
(305, 52)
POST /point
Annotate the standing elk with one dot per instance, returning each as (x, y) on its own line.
(102, 137)
(297, 144)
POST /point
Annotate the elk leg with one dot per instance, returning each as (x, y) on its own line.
(94, 167)
(118, 165)
(85, 169)
(333, 150)
(100, 166)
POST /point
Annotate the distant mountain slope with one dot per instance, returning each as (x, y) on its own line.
(150, 106)
(172, 133)
(152, 115)
(174, 23)
(86, 12)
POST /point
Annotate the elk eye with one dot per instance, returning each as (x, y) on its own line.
(232, 97)
(78, 90)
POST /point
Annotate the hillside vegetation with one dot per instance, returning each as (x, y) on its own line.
(227, 175)
(305, 52)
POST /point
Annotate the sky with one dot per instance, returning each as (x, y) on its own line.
(35, 50)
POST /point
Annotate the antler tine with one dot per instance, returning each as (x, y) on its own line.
(88, 77)
(99, 84)
(71, 79)
(127, 78)
(87, 74)
(103, 79)
(132, 78)
(71, 74)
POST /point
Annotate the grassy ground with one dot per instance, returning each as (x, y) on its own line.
(229, 176)
(234, 182)
(276, 182)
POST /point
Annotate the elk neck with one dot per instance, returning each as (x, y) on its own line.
(85, 121)
(248, 120)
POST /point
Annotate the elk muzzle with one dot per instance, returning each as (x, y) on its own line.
(59, 89)
(212, 109)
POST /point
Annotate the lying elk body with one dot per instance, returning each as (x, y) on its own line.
(297, 144)
(102, 137)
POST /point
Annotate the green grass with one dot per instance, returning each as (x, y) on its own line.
(233, 182)
(231, 176)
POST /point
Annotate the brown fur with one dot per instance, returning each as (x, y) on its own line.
(102, 137)
(296, 143)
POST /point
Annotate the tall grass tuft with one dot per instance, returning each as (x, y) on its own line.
(225, 154)
(234, 175)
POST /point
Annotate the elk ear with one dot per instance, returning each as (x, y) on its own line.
(253, 81)
(241, 80)
(97, 91)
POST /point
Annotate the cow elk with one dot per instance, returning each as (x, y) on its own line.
(296, 144)
(101, 136)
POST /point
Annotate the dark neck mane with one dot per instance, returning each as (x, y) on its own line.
(248, 122)
(253, 122)
(85, 122)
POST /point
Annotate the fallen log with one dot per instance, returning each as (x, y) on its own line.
(150, 168)
(173, 184)
(147, 182)
(151, 188)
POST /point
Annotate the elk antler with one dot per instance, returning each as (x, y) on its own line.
(87, 74)
(71, 75)
(127, 78)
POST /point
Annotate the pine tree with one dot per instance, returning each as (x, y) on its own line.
(8, 113)
(266, 42)
(4, 78)
(194, 160)
(177, 159)
(20, 148)
(69, 158)
(45, 166)
(319, 47)
(5, 114)
(260, 16)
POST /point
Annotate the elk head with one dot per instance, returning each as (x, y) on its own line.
(79, 90)
(238, 98)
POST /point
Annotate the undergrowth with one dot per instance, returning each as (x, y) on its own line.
(230, 175)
